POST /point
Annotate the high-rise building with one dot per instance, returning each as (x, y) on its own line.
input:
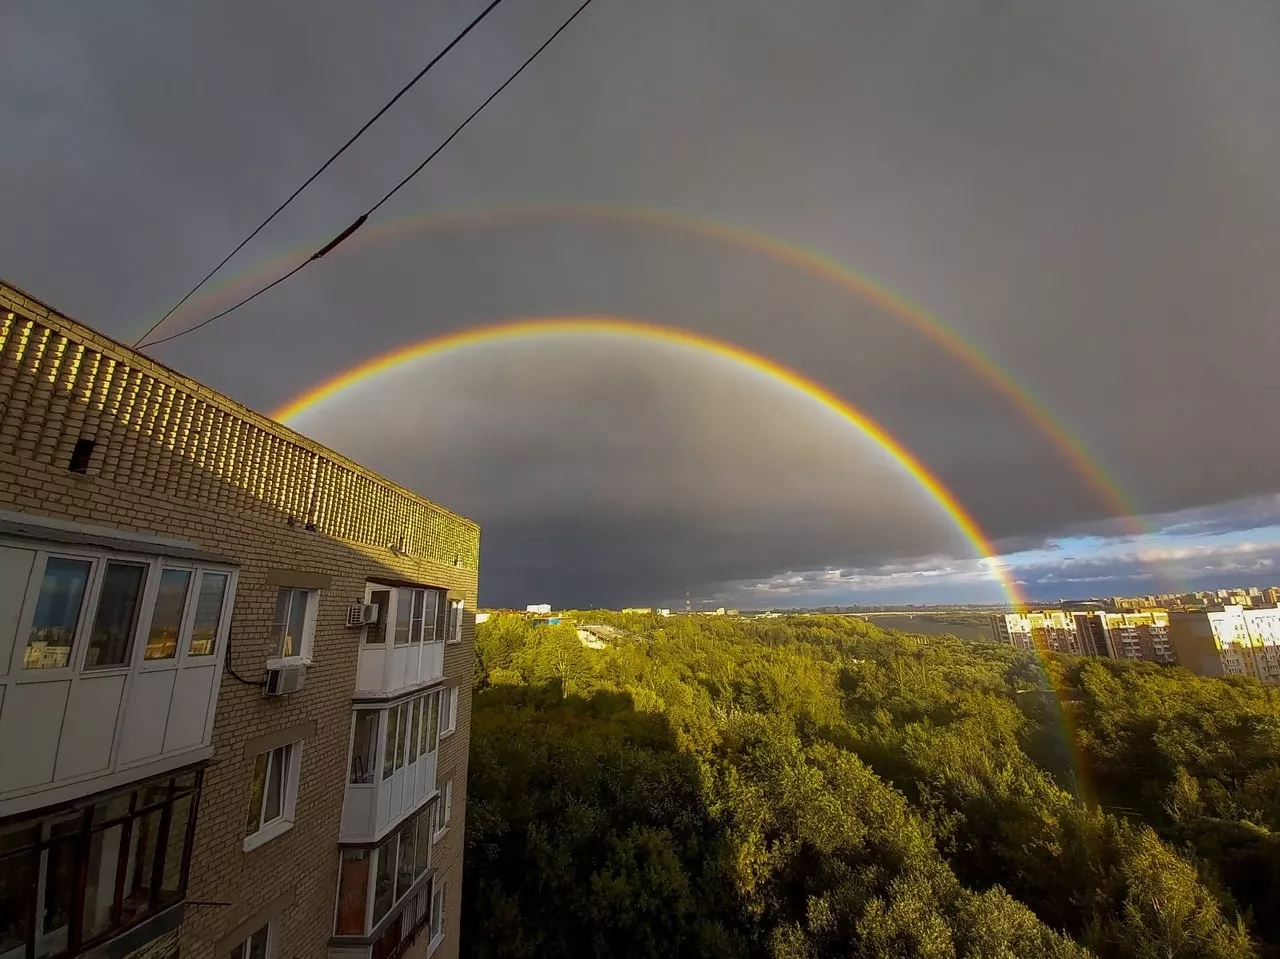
(1051, 630)
(234, 674)
(1141, 636)
(1229, 640)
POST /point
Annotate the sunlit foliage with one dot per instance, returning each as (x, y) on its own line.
(815, 787)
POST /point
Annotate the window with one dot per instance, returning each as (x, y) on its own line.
(454, 633)
(273, 794)
(291, 632)
(57, 615)
(106, 866)
(204, 630)
(364, 746)
(88, 611)
(444, 809)
(257, 946)
(437, 916)
(166, 620)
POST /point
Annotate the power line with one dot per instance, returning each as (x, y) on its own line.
(360, 220)
(324, 166)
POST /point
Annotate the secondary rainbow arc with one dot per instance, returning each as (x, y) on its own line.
(817, 264)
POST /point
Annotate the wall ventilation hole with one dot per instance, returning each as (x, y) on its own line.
(81, 455)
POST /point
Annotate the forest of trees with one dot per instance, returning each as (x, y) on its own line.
(815, 786)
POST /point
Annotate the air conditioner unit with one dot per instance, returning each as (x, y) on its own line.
(362, 614)
(282, 680)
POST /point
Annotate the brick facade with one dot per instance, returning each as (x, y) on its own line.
(172, 457)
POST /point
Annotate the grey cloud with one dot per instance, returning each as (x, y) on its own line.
(1086, 192)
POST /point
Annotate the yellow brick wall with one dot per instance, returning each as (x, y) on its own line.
(175, 458)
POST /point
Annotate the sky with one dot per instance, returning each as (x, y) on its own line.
(1086, 194)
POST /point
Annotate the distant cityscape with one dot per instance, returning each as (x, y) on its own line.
(1219, 632)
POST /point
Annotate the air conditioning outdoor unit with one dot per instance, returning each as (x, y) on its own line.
(285, 679)
(362, 614)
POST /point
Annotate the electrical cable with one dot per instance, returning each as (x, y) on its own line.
(360, 220)
(324, 166)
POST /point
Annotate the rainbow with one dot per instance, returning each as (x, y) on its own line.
(798, 257)
(626, 328)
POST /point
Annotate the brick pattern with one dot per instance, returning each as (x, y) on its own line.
(175, 458)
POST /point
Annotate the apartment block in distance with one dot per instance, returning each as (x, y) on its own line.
(1139, 635)
(1051, 630)
(1229, 641)
(234, 674)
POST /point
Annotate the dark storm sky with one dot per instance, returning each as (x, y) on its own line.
(1087, 192)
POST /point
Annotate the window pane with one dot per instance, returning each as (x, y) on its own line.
(404, 611)
(353, 888)
(256, 948)
(291, 614)
(430, 613)
(143, 849)
(415, 627)
(297, 623)
(422, 846)
(377, 633)
(57, 613)
(162, 640)
(273, 804)
(364, 748)
(19, 872)
(415, 729)
(60, 882)
(389, 749)
(423, 706)
(204, 631)
(255, 794)
(100, 880)
(404, 871)
(433, 723)
(437, 912)
(402, 717)
(384, 886)
(117, 616)
(173, 876)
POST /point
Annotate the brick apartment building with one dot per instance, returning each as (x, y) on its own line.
(234, 674)
(1229, 640)
(1141, 636)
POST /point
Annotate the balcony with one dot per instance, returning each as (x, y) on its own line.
(393, 764)
(110, 661)
(404, 647)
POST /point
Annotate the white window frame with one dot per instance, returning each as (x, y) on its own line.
(456, 607)
(269, 830)
(99, 561)
(449, 709)
(241, 949)
(437, 936)
(443, 811)
(303, 657)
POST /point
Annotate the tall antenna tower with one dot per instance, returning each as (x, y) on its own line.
(688, 607)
